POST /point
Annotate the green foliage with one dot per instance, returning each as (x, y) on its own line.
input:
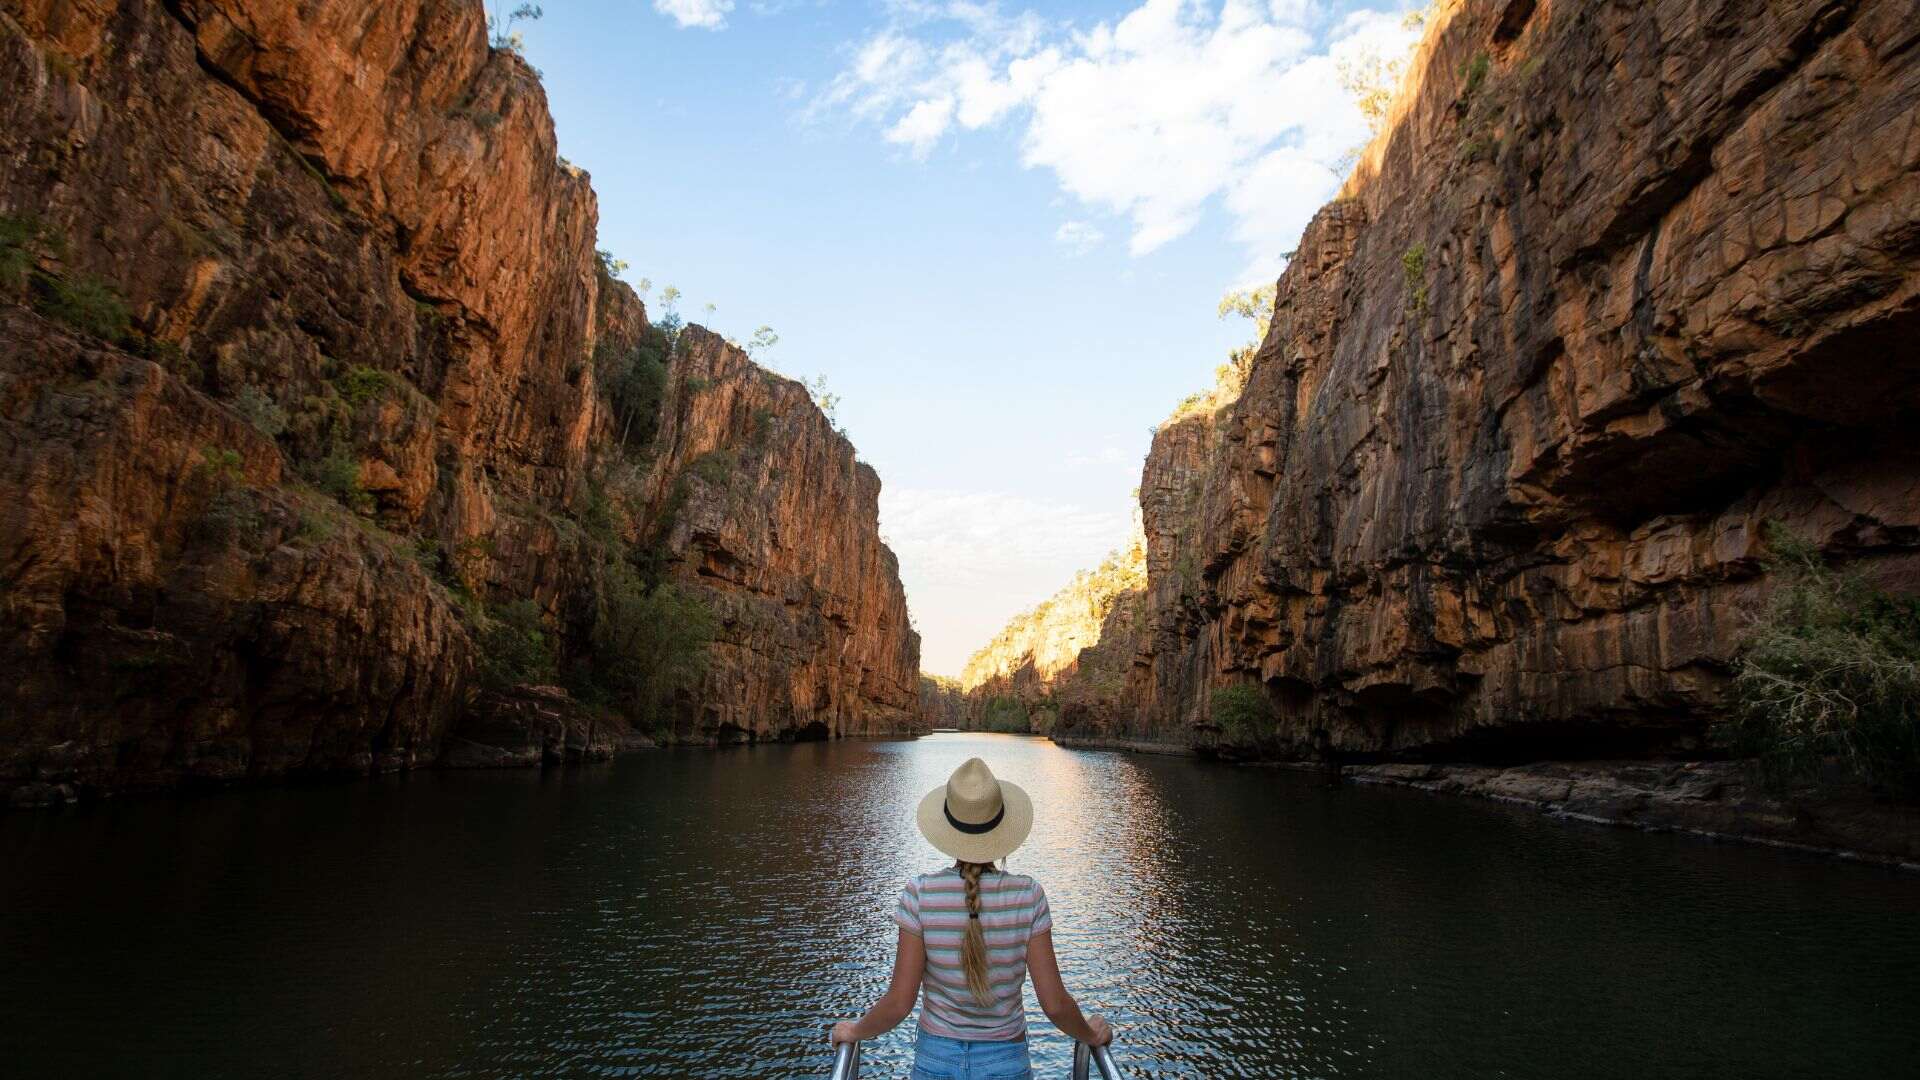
(169, 355)
(514, 646)
(314, 529)
(716, 467)
(500, 26)
(1414, 265)
(670, 323)
(338, 475)
(484, 119)
(1829, 673)
(230, 515)
(609, 265)
(828, 402)
(428, 552)
(219, 467)
(256, 408)
(360, 384)
(87, 304)
(1479, 148)
(597, 518)
(1474, 74)
(1243, 712)
(1006, 715)
(762, 432)
(649, 641)
(635, 382)
(763, 339)
(18, 239)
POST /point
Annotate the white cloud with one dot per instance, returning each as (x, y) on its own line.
(706, 14)
(1078, 237)
(923, 125)
(1177, 107)
(980, 557)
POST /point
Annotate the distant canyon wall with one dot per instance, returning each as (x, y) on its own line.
(303, 373)
(1619, 285)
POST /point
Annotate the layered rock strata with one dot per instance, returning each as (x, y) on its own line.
(300, 331)
(1619, 285)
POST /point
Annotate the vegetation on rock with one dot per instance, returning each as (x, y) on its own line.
(1829, 675)
(1242, 712)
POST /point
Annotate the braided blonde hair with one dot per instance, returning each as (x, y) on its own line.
(973, 947)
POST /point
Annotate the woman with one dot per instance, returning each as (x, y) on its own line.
(969, 936)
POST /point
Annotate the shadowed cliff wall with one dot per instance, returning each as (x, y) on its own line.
(344, 245)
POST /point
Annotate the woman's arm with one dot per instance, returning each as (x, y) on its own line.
(1054, 999)
(909, 964)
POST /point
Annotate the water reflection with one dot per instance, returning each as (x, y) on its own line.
(703, 913)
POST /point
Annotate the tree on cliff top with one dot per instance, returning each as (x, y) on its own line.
(1829, 673)
(1231, 377)
(500, 25)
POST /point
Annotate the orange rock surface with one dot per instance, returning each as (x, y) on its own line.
(348, 221)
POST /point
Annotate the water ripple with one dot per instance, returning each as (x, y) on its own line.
(704, 914)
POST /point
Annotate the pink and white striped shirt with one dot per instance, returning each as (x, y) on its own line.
(1013, 908)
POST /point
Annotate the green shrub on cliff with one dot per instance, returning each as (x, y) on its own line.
(514, 646)
(1243, 712)
(338, 475)
(1829, 673)
(1005, 714)
(257, 408)
(360, 384)
(716, 467)
(649, 642)
(87, 304)
(18, 237)
(634, 381)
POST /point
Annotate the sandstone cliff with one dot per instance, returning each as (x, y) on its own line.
(1619, 284)
(1065, 656)
(302, 349)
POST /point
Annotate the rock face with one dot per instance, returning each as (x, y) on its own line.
(300, 331)
(1066, 656)
(1620, 284)
(780, 530)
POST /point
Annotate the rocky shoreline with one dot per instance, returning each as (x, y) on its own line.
(1712, 799)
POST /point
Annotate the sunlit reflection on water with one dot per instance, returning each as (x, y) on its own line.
(703, 914)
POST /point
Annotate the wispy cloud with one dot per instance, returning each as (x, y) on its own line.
(1154, 117)
(705, 14)
(979, 557)
(1078, 237)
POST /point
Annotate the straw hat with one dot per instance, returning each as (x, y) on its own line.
(974, 817)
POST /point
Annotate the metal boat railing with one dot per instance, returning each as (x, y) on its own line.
(1102, 1058)
(846, 1062)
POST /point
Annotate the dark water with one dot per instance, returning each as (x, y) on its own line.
(699, 914)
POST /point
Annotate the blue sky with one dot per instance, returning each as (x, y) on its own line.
(999, 231)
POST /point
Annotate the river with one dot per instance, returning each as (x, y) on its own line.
(696, 913)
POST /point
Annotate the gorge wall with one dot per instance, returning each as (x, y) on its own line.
(1618, 285)
(311, 382)
(1067, 655)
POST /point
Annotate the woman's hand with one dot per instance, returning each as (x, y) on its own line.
(1102, 1031)
(842, 1033)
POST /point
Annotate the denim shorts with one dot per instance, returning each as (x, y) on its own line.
(936, 1057)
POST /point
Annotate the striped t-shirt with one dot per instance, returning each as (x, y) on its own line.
(1013, 908)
